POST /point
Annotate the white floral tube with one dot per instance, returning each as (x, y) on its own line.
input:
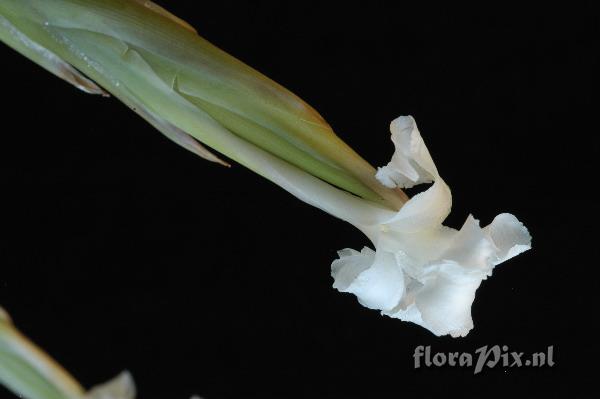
(421, 270)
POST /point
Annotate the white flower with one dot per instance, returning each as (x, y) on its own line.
(422, 271)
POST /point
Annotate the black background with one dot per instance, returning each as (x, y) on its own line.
(121, 250)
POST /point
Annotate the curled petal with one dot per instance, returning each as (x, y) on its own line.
(412, 164)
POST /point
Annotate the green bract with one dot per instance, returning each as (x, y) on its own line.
(28, 371)
(186, 87)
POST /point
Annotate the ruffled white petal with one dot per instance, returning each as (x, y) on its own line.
(375, 278)
(443, 304)
(505, 231)
(422, 271)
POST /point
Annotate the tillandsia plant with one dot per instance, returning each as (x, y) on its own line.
(418, 271)
(29, 372)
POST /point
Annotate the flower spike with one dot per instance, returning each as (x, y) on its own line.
(197, 95)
